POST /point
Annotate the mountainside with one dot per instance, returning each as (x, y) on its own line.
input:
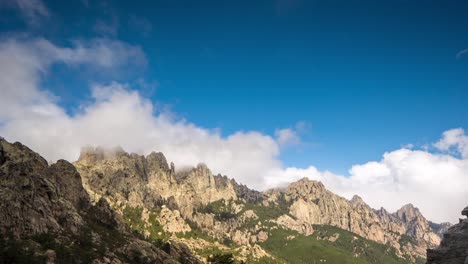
(454, 246)
(46, 216)
(115, 207)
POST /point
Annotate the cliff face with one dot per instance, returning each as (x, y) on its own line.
(454, 246)
(140, 208)
(46, 215)
(138, 181)
(312, 203)
(38, 198)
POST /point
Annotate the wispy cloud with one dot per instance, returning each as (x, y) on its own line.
(287, 137)
(33, 11)
(461, 53)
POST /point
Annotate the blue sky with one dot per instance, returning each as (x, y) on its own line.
(365, 77)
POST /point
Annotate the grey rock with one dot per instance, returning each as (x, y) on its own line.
(465, 211)
(453, 248)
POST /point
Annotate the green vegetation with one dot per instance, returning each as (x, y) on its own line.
(272, 211)
(348, 247)
(14, 251)
(132, 216)
(83, 250)
(405, 239)
(221, 259)
(221, 209)
(265, 212)
(195, 233)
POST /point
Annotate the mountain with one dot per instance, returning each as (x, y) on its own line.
(454, 246)
(46, 216)
(114, 207)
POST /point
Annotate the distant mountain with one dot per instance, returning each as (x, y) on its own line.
(114, 207)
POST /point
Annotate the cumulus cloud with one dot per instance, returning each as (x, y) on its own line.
(118, 115)
(24, 61)
(454, 139)
(436, 183)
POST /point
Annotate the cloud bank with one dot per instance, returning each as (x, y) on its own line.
(117, 115)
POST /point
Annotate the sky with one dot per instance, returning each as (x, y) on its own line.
(371, 98)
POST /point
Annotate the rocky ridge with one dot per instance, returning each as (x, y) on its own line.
(138, 181)
(310, 202)
(46, 216)
(162, 214)
(454, 246)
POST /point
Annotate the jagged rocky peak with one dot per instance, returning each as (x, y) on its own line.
(69, 182)
(203, 168)
(34, 196)
(159, 160)
(453, 248)
(246, 194)
(92, 154)
(305, 187)
(408, 213)
(42, 203)
(18, 152)
(357, 200)
(440, 229)
(465, 211)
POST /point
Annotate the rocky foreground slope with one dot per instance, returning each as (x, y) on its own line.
(46, 216)
(114, 207)
(454, 246)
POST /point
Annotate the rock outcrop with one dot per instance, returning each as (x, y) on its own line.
(140, 181)
(454, 246)
(37, 198)
(312, 203)
(134, 208)
(46, 214)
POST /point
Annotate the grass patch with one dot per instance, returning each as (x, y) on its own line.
(349, 248)
(154, 230)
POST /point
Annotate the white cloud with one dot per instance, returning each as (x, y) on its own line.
(24, 61)
(436, 183)
(287, 136)
(118, 115)
(100, 52)
(454, 138)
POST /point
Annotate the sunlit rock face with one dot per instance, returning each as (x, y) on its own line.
(148, 181)
(312, 203)
(46, 208)
(114, 184)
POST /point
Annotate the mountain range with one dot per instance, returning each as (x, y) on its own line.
(111, 206)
